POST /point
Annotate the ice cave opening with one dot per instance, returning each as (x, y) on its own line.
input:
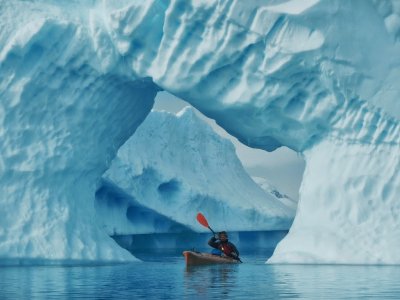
(148, 198)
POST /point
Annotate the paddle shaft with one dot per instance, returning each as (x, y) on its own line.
(211, 230)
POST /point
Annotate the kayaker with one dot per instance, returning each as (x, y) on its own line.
(221, 243)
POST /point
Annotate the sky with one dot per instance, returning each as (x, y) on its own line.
(283, 168)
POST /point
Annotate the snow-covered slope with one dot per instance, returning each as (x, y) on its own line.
(177, 165)
(272, 190)
(320, 77)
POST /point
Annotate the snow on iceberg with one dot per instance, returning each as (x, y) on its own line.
(272, 190)
(320, 78)
(176, 166)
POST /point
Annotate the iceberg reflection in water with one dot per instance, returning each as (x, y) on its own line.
(170, 279)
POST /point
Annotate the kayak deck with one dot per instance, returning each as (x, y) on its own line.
(197, 258)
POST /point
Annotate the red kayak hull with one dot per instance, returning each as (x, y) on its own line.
(196, 258)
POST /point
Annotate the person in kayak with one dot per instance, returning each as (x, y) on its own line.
(221, 243)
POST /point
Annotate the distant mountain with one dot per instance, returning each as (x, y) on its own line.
(269, 188)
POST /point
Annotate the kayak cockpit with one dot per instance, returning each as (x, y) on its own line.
(198, 258)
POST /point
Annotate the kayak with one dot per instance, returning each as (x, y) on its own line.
(197, 258)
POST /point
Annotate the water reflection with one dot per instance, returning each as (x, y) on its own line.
(170, 279)
(53, 282)
(210, 280)
(336, 281)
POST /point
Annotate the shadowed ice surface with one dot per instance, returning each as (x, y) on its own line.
(149, 246)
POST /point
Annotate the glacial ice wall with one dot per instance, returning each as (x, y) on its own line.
(63, 116)
(316, 77)
(177, 166)
(320, 77)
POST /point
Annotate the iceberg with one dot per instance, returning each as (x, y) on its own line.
(176, 166)
(76, 81)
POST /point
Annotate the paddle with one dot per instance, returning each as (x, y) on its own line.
(203, 221)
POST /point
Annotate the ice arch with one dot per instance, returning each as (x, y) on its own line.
(76, 80)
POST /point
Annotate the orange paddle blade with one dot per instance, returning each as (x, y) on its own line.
(202, 220)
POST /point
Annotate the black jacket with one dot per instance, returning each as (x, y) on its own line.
(226, 247)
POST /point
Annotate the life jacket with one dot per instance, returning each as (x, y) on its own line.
(226, 248)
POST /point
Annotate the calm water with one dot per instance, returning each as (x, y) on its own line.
(166, 277)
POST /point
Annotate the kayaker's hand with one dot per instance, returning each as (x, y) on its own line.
(234, 255)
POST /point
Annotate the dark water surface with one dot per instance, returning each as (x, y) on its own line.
(166, 277)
